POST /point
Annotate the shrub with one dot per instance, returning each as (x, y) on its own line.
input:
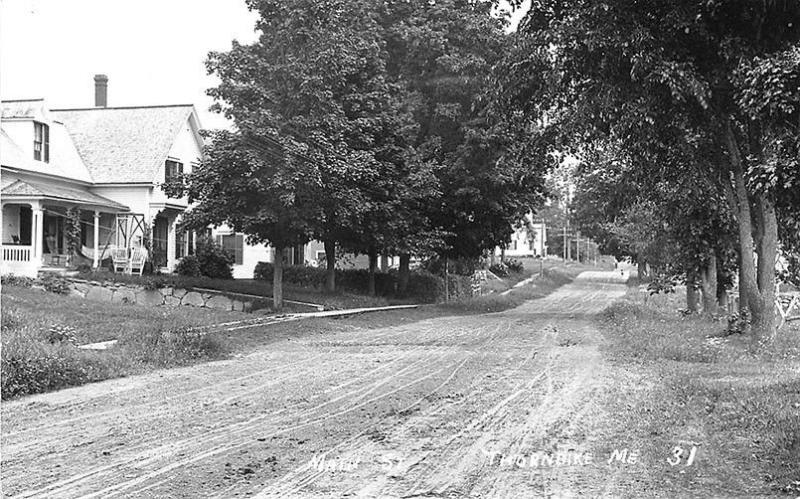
(422, 285)
(302, 275)
(460, 266)
(188, 266)
(263, 271)
(499, 269)
(55, 284)
(62, 334)
(16, 280)
(357, 280)
(213, 259)
(514, 265)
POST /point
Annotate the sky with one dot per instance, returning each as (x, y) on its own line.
(153, 51)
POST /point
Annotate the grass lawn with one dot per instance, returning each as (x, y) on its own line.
(94, 321)
(688, 385)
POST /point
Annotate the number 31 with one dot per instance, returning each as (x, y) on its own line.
(677, 453)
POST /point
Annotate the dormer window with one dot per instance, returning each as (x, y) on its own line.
(41, 142)
(172, 169)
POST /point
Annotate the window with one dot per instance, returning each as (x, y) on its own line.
(172, 169)
(234, 243)
(190, 242)
(41, 142)
(180, 245)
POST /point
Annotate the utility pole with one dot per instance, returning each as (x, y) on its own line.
(569, 242)
(542, 233)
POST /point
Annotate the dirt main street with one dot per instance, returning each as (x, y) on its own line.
(495, 405)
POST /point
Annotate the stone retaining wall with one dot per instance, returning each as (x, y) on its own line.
(171, 297)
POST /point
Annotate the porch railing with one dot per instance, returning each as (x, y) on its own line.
(17, 253)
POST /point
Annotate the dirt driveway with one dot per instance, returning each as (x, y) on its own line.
(496, 405)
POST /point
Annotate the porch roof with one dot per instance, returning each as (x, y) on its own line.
(30, 190)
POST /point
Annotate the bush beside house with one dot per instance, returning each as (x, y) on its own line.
(210, 260)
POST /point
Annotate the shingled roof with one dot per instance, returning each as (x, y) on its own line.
(124, 144)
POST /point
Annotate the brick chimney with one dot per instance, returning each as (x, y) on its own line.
(100, 91)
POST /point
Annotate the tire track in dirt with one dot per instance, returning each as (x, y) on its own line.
(107, 492)
(455, 333)
(187, 445)
(295, 481)
(440, 383)
(162, 406)
(178, 449)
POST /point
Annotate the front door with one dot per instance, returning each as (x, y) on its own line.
(53, 234)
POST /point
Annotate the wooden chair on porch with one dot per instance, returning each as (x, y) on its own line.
(120, 260)
(138, 258)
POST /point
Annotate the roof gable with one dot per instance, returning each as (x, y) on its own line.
(125, 144)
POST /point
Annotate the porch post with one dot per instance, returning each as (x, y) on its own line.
(171, 243)
(96, 258)
(37, 233)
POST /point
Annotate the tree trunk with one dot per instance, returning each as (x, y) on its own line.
(708, 287)
(373, 263)
(330, 262)
(503, 254)
(403, 274)
(722, 292)
(277, 280)
(756, 286)
(763, 312)
(641, 268)
(691, 293)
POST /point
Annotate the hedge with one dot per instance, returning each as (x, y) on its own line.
(423, 286)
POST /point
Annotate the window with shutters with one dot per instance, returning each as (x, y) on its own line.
(41, 142)
(234, 244)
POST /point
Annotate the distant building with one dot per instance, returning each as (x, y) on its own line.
(528, 240)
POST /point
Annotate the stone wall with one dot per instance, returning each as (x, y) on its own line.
(171, 297)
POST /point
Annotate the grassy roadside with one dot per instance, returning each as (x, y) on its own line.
(685, 384)
(554, 276)
(41, 331)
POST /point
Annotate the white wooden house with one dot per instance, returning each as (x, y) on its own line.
(108, 162)
(530, 239)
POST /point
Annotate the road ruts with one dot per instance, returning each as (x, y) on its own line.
(403, 411)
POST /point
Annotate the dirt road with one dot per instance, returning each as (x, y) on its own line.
(496, 405)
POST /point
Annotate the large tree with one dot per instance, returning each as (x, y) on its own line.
(317, 76)
(257, 186)
(595, 64)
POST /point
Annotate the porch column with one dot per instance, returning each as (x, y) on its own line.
(171, 244)
(96, 257)
(37, 233)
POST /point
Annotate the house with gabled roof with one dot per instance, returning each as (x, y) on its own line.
(105, 163)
